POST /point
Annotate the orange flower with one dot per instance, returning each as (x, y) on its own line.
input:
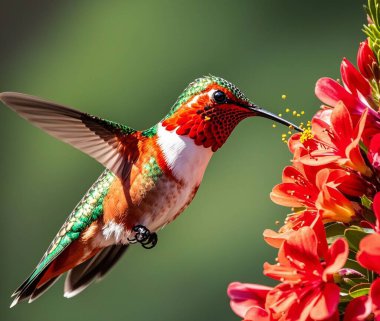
(334, 141)
(307, 291)
(320, 190)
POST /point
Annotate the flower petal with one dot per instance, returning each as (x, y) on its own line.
(336, 257)
(330, 92)
(358, 309)
(276, 239)
(342, 124)
(376, 209)
(301, 249)
(374, 294)
(291, 195)
(374, 151)
(245, 295)
(256, 314)
(369, 252)
(327, 303)
(353, 79)
(334, 206)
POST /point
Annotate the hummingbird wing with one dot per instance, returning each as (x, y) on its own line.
(111, 144)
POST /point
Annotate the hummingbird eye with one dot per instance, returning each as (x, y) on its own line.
(219, 97)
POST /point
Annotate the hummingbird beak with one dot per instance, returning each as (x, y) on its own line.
(266, 114)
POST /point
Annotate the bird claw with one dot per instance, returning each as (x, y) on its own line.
(143, 236)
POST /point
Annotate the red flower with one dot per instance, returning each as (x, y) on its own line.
(369, 247)
(367, 61)
(355, 93)
(336, 141)
(295, 190)
(307, 290)
(369, 253)
(248, 300)
(320, 190)
(365, 307)
(305, 218)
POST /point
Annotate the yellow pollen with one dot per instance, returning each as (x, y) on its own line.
(289, 132)
(274, 126)
(207, 118)
(287, 110)
(283, 97)
(306, 135)
(280, 115)
(298, 115)
(294, 113)
(302, 112)
(283, 135)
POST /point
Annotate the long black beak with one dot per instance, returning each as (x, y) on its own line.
(263, 113)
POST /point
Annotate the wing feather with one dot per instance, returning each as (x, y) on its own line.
(111, 144)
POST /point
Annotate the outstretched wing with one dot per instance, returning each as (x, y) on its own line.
(111, 144)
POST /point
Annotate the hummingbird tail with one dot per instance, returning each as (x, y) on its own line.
(94, 269)
(82, 271)
(42, 278)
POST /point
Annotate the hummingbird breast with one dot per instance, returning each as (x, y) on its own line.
(162, 183)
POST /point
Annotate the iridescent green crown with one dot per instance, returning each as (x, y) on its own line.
(199, 85)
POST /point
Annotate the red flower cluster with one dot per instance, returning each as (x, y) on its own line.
(328, 263)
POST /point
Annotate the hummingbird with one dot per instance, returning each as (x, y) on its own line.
(150, 176)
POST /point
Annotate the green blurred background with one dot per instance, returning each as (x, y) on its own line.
(128, 61)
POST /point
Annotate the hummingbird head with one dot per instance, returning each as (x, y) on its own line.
(209, 109)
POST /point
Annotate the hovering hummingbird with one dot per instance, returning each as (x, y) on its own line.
(151, 176)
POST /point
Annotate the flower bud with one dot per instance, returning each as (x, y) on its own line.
(353, 79)
(367, 61)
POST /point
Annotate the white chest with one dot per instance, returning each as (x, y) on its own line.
(187, 161)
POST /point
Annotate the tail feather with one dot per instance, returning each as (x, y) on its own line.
(42, 289)
(29, 288)
(94, 269)
(82, 271)
(42, 278)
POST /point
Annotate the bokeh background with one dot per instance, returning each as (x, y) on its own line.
(128, 61)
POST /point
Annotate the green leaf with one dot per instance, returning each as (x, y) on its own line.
(373, 30)
(359, 290)
(366, 202)
(354, 235)
(363, 147)
(354, 265)
(334, 229)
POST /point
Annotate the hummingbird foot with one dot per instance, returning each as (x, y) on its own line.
(143, 236)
